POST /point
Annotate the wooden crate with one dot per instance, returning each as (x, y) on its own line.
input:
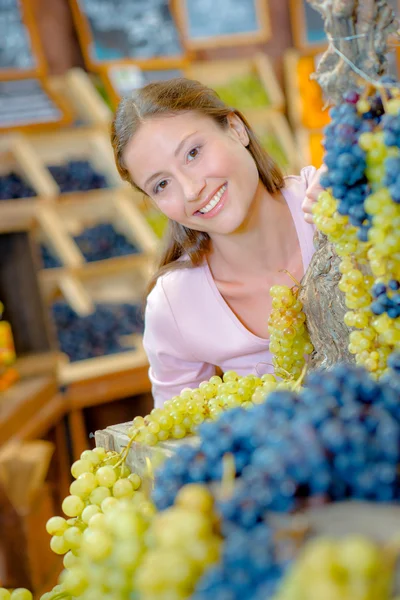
(275, 124)
(88, 143)
(17, 155)
(305, 103)
(60, 222)
(221, 72)
(86, 104)
(116, 438)
(103, 282)
(310, 145)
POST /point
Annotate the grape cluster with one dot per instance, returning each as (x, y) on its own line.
(102, 241)
(346, 161)
(387, 299)
(77, 176)
(249, 568)
(12, 187)
(289, 339)
(114, 539)
(184, 543)
(16, 594)
(96, 334)
(48, 259)
(354, 567)
(182, 415)
(338, 438)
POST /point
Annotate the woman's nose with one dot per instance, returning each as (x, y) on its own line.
(193, 188)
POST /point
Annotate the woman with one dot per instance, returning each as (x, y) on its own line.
(235, 223)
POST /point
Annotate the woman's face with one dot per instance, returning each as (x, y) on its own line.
(196, 172)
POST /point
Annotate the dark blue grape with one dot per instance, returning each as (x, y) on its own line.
(12, 187)
(97, 334)
(77, 176)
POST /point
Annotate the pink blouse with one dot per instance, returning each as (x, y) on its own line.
(190, 329)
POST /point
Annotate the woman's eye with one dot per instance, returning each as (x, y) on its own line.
(193, 153)
(160, 186)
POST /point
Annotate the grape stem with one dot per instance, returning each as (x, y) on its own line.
(291, 277)
(125, 451)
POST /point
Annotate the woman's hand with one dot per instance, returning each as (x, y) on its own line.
(313, 191)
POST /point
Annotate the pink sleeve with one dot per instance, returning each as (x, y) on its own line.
(172, 366)
(308, 174)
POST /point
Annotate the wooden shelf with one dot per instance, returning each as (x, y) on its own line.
(217, 73)
(108, 387)
(22, 402)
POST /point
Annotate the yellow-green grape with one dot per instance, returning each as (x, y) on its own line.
(244, 92)
(180, 559)
(350, 569)
(375, 337)
(289, 340)
(16, 594)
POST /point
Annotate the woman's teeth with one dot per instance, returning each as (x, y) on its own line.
(214, 201)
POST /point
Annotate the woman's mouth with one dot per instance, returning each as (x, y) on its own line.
(215, 205)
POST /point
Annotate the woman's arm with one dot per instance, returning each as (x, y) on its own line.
(172, 365)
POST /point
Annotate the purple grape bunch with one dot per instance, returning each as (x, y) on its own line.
(337, 439)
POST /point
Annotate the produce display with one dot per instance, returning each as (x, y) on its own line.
(97, 334)
(313, 115)
(103, 241)
(77, 176)
(244, 93)
(49, 260)
(205, 534)
(13, 186)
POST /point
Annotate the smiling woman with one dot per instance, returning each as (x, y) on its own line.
(234, 224)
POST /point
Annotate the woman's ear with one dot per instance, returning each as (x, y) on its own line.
(238, 129)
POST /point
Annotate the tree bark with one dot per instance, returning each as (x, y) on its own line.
(372, 21)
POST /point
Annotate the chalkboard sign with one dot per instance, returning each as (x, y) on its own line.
(27, 104)
(308, 25)
(137, 31)
(213, 23)
(121, 79)
(20, 53)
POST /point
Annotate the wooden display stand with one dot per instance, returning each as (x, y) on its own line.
(116, 438)
(104, 379)
(89, 144)
(273, 123)
(86, 105)
(17, 155)
(145, 34)
(59, 222)
(214, 25)
(220, 72)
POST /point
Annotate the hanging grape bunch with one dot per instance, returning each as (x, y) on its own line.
(354, 172)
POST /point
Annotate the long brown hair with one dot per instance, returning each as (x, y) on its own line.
(168, 98)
